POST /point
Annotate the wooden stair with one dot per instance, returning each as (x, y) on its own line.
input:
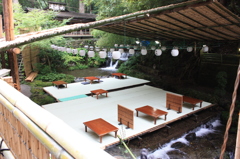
(31, 77)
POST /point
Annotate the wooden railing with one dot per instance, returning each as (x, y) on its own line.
(29, 131)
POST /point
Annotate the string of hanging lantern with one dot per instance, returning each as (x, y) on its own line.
(118, 50)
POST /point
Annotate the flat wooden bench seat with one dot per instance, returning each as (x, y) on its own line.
(100, 127)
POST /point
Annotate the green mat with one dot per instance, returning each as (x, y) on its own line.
(72, 98)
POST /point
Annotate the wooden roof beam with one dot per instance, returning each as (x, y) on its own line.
(201, 23)
(194, 26)
(183, 29)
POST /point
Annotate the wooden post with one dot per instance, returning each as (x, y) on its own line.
(9, 35)
(237, 149)
(1, 29)
(195, 49)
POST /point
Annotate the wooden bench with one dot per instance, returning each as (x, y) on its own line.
(155, 113)
(100, 127)
(99, 92)
(175, 102)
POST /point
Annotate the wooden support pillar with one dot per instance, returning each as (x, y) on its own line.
(1, 27)
(195, 49)
(9, 35)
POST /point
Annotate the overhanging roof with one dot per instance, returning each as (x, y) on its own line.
(192, 20)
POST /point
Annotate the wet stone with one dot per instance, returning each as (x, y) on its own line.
(190, 137)
(178, 145)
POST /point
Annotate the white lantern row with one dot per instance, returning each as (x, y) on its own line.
(116, 54)
(91, 53)
(102, 54)
(82, 52)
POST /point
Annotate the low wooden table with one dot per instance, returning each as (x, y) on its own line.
(152, 112)
(119, 75)
(91, 78)
(58, 83)
(98, 92)
(192, 101)
(100, 127)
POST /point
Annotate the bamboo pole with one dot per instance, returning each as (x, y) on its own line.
(1, 29)
(237, 149)
(9, 35)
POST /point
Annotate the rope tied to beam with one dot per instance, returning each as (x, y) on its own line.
(234, 96)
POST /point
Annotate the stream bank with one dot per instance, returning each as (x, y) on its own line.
(205, 147)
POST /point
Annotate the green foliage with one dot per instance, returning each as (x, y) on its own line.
(109, 39)
(78, 67)
(38, 95)
(55, 77)
(34, 20)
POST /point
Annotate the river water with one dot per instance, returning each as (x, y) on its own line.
(91, 72)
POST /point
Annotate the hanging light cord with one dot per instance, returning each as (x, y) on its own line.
(234, 96)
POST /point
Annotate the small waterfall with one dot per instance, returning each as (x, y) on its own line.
(124, 56)
(200, 132)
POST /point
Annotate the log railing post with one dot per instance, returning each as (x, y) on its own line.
(9, 35)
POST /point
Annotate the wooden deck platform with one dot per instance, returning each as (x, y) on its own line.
(76, 112)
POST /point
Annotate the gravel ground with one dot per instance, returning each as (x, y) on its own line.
(25, 89)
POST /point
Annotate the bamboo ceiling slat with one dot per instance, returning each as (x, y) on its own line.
(223, 13)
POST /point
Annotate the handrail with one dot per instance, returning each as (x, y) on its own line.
(59, 138)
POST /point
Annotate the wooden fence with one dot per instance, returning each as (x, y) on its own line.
(30, 132)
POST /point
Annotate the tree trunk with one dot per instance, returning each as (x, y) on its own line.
(81, 6)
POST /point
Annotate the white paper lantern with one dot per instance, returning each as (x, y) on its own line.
(128, 46)
(163, 48)
(174, 52)
(64, 49)
(205, 48)
(112, 49)
(91, 53)
(120, 50)
(144, 51)
(86, 46)
(97, 48)
(189, 49)
(158, 52)
(91, 47)
(82, 52)
(116, 54)
(121, 45)
(59, 48)
(115, 45)
(102, 54)
(153, 47)
(69, 50)
(131, 51)
(75, 51)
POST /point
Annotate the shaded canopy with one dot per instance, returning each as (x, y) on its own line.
(199, 20)
(194, 20)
